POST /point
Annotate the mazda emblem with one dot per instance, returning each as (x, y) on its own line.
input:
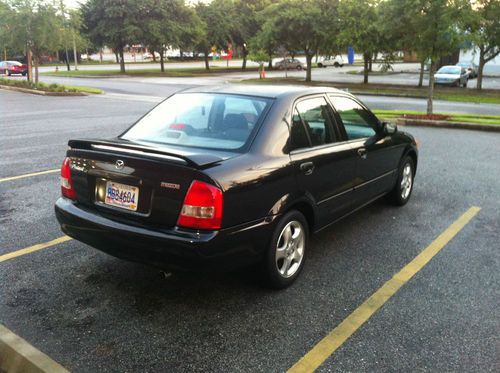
(119, 164)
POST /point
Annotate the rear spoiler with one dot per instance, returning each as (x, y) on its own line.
(120, 146)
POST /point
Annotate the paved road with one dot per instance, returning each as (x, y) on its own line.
(92, 312)
(404, 73)
(156, 88)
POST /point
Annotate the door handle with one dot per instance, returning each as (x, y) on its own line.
(362, 153)
(307, 168)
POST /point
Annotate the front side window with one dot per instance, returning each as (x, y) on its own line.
(358, 122)
(207, 120)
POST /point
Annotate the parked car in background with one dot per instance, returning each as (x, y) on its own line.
(470, 66)
(228, 176)
(336, 61)
(289, 64)
(451, 75)
(13, 67)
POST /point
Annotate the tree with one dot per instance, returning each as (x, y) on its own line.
(299, 26)
(483, 29)
(161, 25)
(249, 25)
(361, 29)
(193, 30)
(218, 18)
(35, 25)
(113, 22)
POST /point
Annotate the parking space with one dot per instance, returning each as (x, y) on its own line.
(92, 312)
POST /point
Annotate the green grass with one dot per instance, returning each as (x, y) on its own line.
(489, 96)
(182, 72)
(469, 118)
(54, 87)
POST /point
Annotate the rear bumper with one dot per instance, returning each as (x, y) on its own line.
(168, 248)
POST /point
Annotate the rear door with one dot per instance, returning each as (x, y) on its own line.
(324, 165)
(376, 161)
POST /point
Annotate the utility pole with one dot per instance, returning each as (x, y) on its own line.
(74, 51)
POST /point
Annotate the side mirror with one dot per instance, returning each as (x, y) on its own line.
(389, 128)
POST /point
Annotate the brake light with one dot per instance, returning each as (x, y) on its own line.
(202, 208)
(66, 184)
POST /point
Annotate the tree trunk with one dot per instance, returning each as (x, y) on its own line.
(480, 69)
(365, 69)
(122, 61)
(421, 77)
(67, 59)
(370, 66)
(153, 55)
(207, 65)
(29, 61)
(431, 87)
(35, 60)
(162, 62)
(244, 65)
(116, 57)
(309, 58)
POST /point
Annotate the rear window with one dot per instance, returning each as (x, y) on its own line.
(206, 120)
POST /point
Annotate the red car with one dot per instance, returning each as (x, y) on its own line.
(13, 67)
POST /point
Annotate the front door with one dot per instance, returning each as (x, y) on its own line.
(376, 161)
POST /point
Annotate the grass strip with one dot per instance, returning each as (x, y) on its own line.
(54, 87)
(182, 72)
(468, 118)
(489, 96)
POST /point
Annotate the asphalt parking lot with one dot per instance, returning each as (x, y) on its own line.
(92, 312)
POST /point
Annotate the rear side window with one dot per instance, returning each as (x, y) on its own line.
(207, 120)
(312, 120)
(358, 122)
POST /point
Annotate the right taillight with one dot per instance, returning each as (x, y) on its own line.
(66, 184)
(202, 208)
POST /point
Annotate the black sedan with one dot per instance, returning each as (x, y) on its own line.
(230, 176)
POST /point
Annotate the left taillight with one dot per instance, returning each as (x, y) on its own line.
(66, 184)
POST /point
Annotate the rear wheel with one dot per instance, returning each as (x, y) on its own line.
(299, 67)
(286, 252)
(401, 193)
(320, 65)
(336, 64)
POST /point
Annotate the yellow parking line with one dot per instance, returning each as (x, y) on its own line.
(327, 346)
(33, 248)
(29, 175)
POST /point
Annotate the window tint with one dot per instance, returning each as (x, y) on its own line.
(215, 121)
(358, 122)
(317, 118)
(298, 133)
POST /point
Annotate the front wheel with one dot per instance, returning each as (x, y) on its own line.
(286, 252)
(401, 192)
(299, 67)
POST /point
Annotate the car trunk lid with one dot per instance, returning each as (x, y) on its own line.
(148, 183)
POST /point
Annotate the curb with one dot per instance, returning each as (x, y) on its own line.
(446, 124)
(41, 93)
(17, 355)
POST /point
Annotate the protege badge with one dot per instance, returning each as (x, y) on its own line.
(164, 184)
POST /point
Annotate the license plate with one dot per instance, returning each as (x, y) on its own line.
(122, 196)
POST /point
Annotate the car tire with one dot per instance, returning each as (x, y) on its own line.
(299, 67)
(401, 192)
(24, 74)
(320, 65)
(8, 73)
(336, 64)
(285, 255)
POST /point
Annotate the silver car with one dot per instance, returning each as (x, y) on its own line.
(451, 75)
(289, 64)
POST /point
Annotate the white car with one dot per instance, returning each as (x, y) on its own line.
(336, 61)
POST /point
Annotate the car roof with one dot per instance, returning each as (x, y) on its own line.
(447, 66)
(268, 91)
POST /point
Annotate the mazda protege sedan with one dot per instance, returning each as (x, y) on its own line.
(230, 176)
